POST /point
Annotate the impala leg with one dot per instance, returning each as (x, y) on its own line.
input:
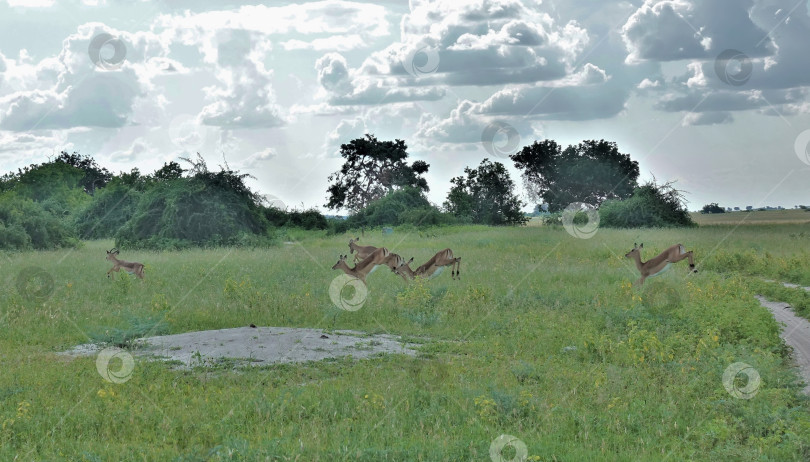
(458, 268)
(689, 255)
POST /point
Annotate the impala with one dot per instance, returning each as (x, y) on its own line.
(363, 251)
(394, 261)
(365, 267)
(662, 262)
(434, 266)
(129, 267)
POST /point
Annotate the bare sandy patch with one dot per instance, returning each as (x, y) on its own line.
(259, 346)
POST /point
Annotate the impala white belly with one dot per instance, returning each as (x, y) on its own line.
(666, 267)
(438, 271)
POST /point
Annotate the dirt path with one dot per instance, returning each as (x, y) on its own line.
(795, 331)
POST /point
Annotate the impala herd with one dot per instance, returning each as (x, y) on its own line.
(368, 258)
(371, 257)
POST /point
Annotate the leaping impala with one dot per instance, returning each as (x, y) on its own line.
(655, 266)
(365, 267)
(434, 266)
(394, 261)
(363, 251)
(129, 267)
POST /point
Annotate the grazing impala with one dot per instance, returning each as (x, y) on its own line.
(365, 267)
(363, 251)
(434, 266)
(662, 262)
(129, 267)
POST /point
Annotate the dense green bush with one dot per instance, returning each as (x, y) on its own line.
(651, 205)
(109, 211)
(192, 212)
(26, 224)
(404, 206)
(307, 219)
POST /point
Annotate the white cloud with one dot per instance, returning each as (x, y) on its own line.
(487, 42)
(707, 118)
(666, 30)
(346, 87)
(31, 3)
(136, 151)
(257, 158)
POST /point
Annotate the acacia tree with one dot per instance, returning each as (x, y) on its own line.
(590, 172)
(372, 169)
(486, 195)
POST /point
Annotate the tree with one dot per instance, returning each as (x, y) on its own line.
(485, 195)
(170, 171)
(371, 170)
(590, 172)
(94, 176)
(712, 208)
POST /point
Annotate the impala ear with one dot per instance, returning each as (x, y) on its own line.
(641, 246)
(411, 260)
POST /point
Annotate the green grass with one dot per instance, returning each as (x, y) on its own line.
(543, 338)
(754, 217)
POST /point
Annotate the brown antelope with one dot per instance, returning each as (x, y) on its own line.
(365, 267)
(393, 262)
(363, 251)
(433, 267)
(656, 266)
(129, 267)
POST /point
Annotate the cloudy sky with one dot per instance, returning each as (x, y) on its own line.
(713, 94)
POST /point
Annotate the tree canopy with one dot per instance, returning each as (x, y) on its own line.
(372, 169)
(590, 172)
(486, 195)
(712, 208)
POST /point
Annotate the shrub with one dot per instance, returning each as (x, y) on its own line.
(191, 211)
(30, 225)
(651, 205)
(405, 206)
(109, 211)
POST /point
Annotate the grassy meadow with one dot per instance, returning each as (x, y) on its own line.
(543, 338)
(754, 217)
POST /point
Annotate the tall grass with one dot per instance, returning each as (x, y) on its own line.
(543, 338)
